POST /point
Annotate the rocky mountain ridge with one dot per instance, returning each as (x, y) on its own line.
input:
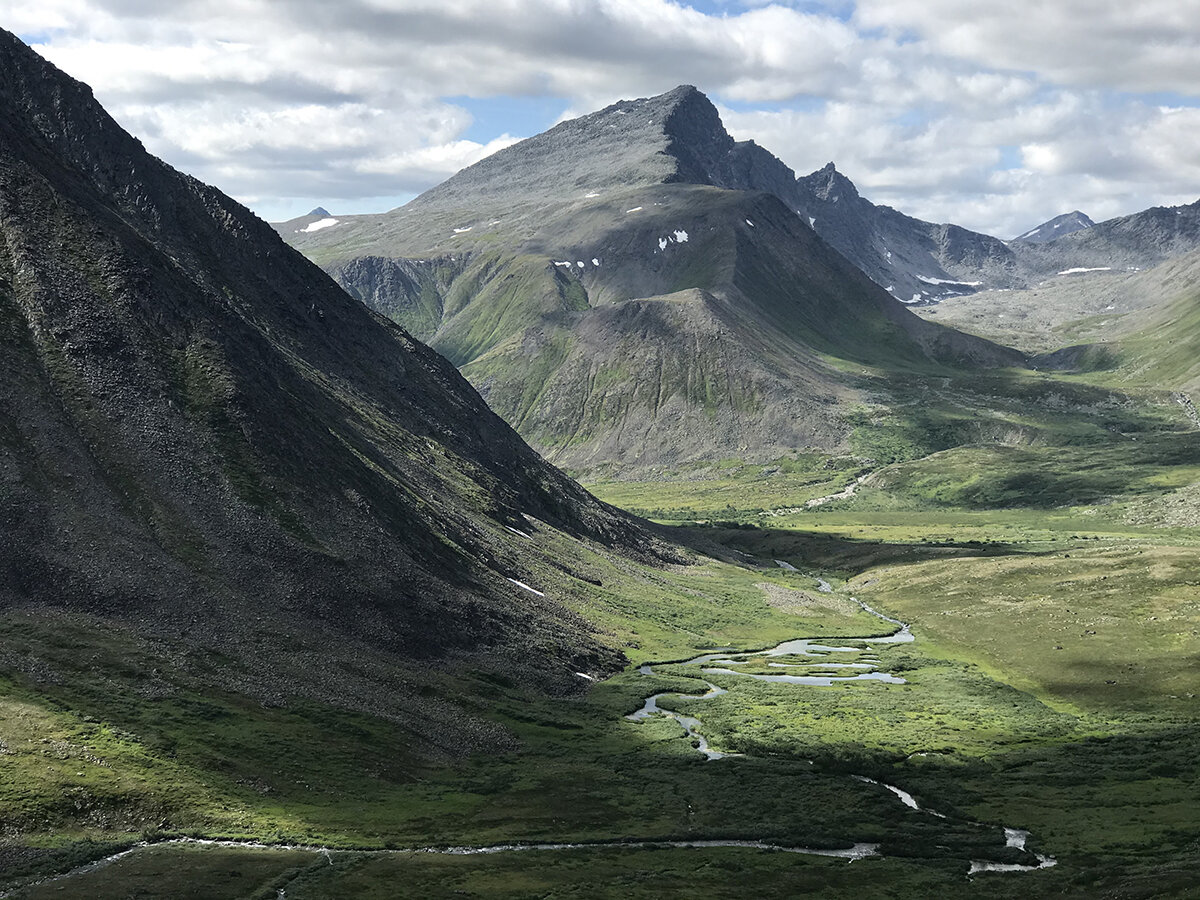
(922, 263)
(515, 269)
(204, 438)
(1127, 243)
(917, 262)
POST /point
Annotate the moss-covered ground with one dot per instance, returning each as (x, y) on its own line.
(1053, 586)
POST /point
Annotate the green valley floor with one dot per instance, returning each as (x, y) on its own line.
(1037, 736)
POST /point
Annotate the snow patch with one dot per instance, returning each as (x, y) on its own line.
(1093, 269)
(748, 222)
(585, 676)
(681, 237)
(567, 263)
(812, 222)
(635, 209)
(526, 587)
(591, 195)
(463, 230)
(579, 263)
(948, 281)
(662, 243)
(891, 288)
(317, 226)
(595, 261)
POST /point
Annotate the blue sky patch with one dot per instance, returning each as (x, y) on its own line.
(518, 116)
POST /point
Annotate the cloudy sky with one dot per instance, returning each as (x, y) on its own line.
(995, 116)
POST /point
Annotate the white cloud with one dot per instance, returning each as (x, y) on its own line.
(993, 117)
(1150, 45)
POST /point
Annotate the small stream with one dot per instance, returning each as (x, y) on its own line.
(813, 655)
(690, 725)
(807, 653)
(857, 851)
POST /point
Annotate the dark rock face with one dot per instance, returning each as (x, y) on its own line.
(201, 431)
(405, 290)
(917, 262)
(706, 154)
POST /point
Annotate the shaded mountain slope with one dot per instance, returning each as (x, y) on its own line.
(917, 262)
(204, 438)
(513, 268)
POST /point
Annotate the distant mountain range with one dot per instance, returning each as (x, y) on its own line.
(917, 262)
(922, 263)
(1135, 242)
(635, 288)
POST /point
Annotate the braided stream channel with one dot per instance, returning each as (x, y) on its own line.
(814, 664)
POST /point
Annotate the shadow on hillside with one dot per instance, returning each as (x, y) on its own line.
(826, 552)
(1027, 442)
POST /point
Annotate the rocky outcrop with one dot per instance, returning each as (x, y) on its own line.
(917, 262)
(204, 436)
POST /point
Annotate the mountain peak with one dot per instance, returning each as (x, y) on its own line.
(680, 94)
(1067, 223)
(675, 137)
(830, 185)
(319, 211)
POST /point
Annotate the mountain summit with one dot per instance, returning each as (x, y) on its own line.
(1057, 227)
(829, 185)
(676, 137)
(635, 288)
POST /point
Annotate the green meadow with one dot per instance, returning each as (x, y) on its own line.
(1051, 581)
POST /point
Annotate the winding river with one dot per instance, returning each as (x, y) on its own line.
(812, 656)
(808, 654)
